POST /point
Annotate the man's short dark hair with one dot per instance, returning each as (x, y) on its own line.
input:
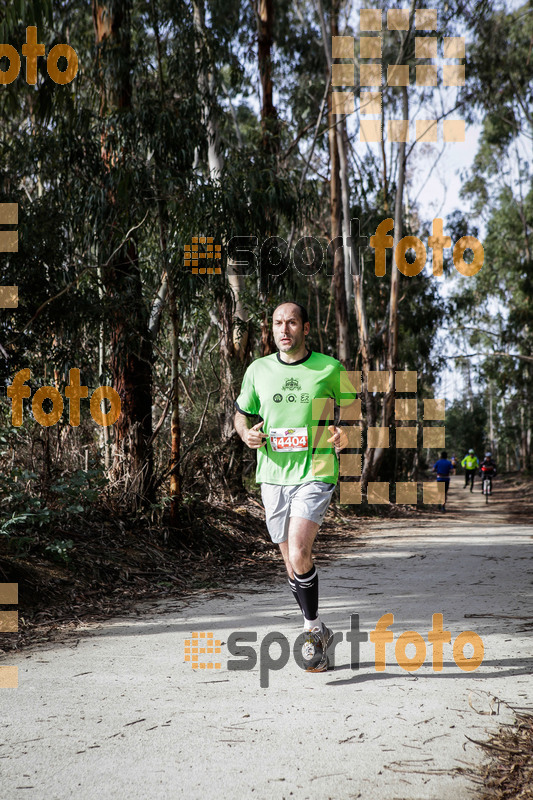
(304, 316)
(444, 454)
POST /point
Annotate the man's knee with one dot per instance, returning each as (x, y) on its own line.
(300, 558)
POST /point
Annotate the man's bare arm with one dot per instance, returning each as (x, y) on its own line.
(242, 425)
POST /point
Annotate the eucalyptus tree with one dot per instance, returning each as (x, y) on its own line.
(495, 317)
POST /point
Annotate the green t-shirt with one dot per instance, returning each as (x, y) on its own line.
(282, 394)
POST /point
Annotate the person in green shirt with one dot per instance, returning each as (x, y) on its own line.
(471, 464)
(296, 487)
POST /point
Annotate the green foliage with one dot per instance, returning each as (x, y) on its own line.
(26, 518)
(466, 427)
(29, 12)
(77, 207)
(58, 550)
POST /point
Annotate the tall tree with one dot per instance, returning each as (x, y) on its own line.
(130, 356)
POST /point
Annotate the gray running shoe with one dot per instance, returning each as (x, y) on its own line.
(315, 648)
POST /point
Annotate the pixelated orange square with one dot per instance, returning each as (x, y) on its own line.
(370, 47)
(322, 409)
(378, 437)
(342, 102)
(398, 75)
(9, 593)
(435, 408)
(426, 75)
(433, 493)
(350, 493)
(398, 130)
(323, 465)
(377, 493)
(350, 382)
(453, 130)
(398, 19)
(406, 438)
(406, 380)
(426, 130)
(454, 47)
(405, 408)
(426, 19)
(9, 621)
(9, 678)
(370, 19)
(320, 436)
(370, 103)
(377, 380)
(350, 464)
(370, 130)
(342, 74)
(370, 75)
(434, 437)
(354, 436)
(342, 46)
(425, 47)
(453, 75)
(406, 492)
(350, 410)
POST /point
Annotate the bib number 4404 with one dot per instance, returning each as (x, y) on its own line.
(294, 442)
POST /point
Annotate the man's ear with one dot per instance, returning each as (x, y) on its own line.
(307, 328)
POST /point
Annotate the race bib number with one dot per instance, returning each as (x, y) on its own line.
(288, 440)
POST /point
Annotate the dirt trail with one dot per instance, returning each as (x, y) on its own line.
(116, 711)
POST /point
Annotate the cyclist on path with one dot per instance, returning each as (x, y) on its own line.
(488, 470)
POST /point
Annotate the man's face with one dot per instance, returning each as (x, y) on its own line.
(289, 333)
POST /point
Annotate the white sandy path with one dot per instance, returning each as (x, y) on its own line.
(117, 712)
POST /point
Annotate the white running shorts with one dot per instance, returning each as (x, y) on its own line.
(307, 500)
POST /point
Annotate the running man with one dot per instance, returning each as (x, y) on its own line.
(443, 467)
(280, 389)
(471, 464)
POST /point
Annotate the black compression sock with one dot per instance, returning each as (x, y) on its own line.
(307, 591)
(295, 593)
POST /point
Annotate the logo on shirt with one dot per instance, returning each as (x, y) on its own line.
(291, 384)
(304, 398)
(291, 398)
(277, 398)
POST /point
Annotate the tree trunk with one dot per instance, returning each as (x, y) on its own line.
(392, 343)
(175, 429)
(264, 10)
(339, 293)
(339, 200)
(265, 39)
(234, 336)
(130, 357)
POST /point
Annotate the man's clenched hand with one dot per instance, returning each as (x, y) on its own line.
(339, 438)
(254, 437)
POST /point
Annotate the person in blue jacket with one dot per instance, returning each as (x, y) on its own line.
(443, 468)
